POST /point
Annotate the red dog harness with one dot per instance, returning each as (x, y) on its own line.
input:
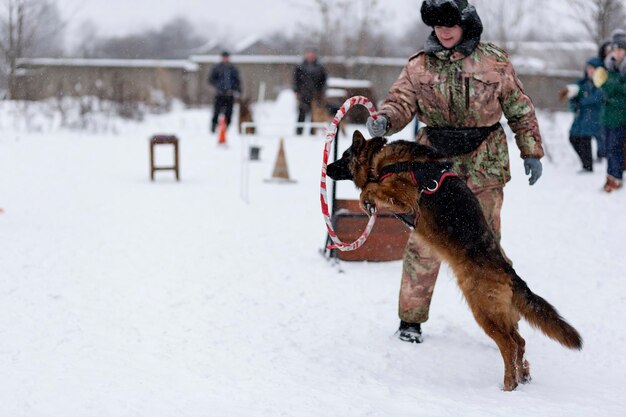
(427, 176)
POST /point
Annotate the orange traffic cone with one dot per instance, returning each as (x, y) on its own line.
(281, 173)
(221, 131)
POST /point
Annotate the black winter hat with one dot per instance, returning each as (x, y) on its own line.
(451, 13)
(604, 48)
(443, 12)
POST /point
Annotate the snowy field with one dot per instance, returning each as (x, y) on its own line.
(125, 297)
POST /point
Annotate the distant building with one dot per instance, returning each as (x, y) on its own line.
(109, 79)
(544, 68)
(551, 57)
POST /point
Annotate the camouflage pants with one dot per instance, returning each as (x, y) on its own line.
(421, 265)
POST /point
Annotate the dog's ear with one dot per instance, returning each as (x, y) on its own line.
(376, 144)
(358, 141)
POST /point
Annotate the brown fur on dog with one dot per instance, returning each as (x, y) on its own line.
(245, 115)
(452, 222)
(320, 114)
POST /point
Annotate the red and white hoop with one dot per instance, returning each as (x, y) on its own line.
(331, 133)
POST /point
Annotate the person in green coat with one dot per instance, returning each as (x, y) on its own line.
(613, 118)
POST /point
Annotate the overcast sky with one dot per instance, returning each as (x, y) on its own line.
(239, 17)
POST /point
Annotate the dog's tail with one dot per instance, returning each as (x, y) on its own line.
(542, 315)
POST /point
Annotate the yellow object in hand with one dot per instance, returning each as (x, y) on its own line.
(600, 76)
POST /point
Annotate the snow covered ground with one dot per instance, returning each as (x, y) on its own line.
(125, 297)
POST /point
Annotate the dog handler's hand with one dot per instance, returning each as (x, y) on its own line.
(378, 127)
(534, 168)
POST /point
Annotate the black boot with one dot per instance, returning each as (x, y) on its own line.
(410, 332)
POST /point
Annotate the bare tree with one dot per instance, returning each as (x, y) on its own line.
(176, 39)
(363, 38)
(598, 17)
(28, 27)
(88, 45)
(506, 22)
(280, 43)
(337, 35)
(413, 38)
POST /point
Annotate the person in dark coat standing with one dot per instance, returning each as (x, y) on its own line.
(309, 83)
(225, 79)
(586, 102)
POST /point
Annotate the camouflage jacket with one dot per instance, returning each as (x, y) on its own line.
(452, 90)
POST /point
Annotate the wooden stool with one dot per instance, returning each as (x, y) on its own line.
(164, 140)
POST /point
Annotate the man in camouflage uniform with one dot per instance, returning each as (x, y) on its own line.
(459, 84)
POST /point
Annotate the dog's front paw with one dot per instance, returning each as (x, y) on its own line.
(369, 207)
(367, 203)
(368, 199)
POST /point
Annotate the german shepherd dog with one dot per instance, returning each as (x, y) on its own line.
(452, 222)
(321, 114)
(245, 115)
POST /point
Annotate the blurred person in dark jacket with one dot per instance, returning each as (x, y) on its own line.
(309, 83)
(585, 100)
(225, 79)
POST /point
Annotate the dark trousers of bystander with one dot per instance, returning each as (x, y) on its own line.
(223, 105)
(303, 110)
(601, 142)
(615, 151)
(582, 146)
